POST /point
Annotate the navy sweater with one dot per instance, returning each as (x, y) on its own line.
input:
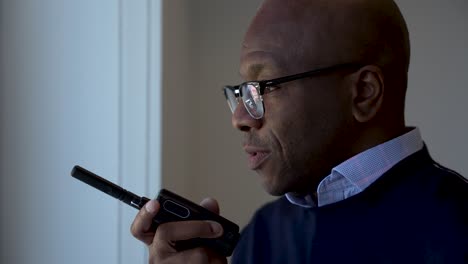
(417, 212)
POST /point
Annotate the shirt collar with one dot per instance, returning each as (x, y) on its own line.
(357, 173)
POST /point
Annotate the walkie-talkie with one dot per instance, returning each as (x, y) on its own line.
(173, 208)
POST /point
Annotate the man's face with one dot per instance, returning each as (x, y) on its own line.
(298, 140)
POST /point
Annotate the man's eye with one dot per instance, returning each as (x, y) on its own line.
(270, 89)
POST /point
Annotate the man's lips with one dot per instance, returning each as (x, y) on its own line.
(256, 156)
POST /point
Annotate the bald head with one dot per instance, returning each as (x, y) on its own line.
(325, 31)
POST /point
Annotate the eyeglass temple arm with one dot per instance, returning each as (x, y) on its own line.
(266, 83)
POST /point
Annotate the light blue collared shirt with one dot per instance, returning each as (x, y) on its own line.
(357, 173)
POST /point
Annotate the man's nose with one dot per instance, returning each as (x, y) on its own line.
(242, 120)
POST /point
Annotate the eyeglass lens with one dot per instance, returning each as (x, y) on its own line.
(250, 97)
(231, 99)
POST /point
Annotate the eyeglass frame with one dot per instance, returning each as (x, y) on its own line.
(263, 84)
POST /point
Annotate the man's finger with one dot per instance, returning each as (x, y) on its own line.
(168, 233)
(141, 226)
(210, 204)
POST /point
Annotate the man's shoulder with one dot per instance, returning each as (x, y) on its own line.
(449, 176)
(419, 184)
(448, 184)
(441, 180)
(419, 173)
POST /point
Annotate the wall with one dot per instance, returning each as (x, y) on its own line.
(176, 88)
(209, 160)
(79, 84)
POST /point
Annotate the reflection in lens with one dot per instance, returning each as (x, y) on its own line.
(252, 101)
(255, 94)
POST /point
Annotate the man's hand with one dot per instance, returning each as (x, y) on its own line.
(160, 244)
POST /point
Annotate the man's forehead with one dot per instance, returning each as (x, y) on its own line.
(269, 37)
(283, 30)
(257, 62)
(268, 46)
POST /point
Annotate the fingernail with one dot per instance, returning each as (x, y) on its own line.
(151, 206)
(216, 228)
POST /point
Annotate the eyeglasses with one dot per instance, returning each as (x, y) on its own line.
(252, 92)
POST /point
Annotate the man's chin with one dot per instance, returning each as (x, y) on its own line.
(272, 187)
(279, 184)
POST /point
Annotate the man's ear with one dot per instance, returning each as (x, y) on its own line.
(367, 93)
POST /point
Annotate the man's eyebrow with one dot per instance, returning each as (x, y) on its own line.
(254, 70)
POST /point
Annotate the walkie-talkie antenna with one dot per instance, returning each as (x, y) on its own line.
(108, 187)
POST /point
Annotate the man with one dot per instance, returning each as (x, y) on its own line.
(326, 128)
